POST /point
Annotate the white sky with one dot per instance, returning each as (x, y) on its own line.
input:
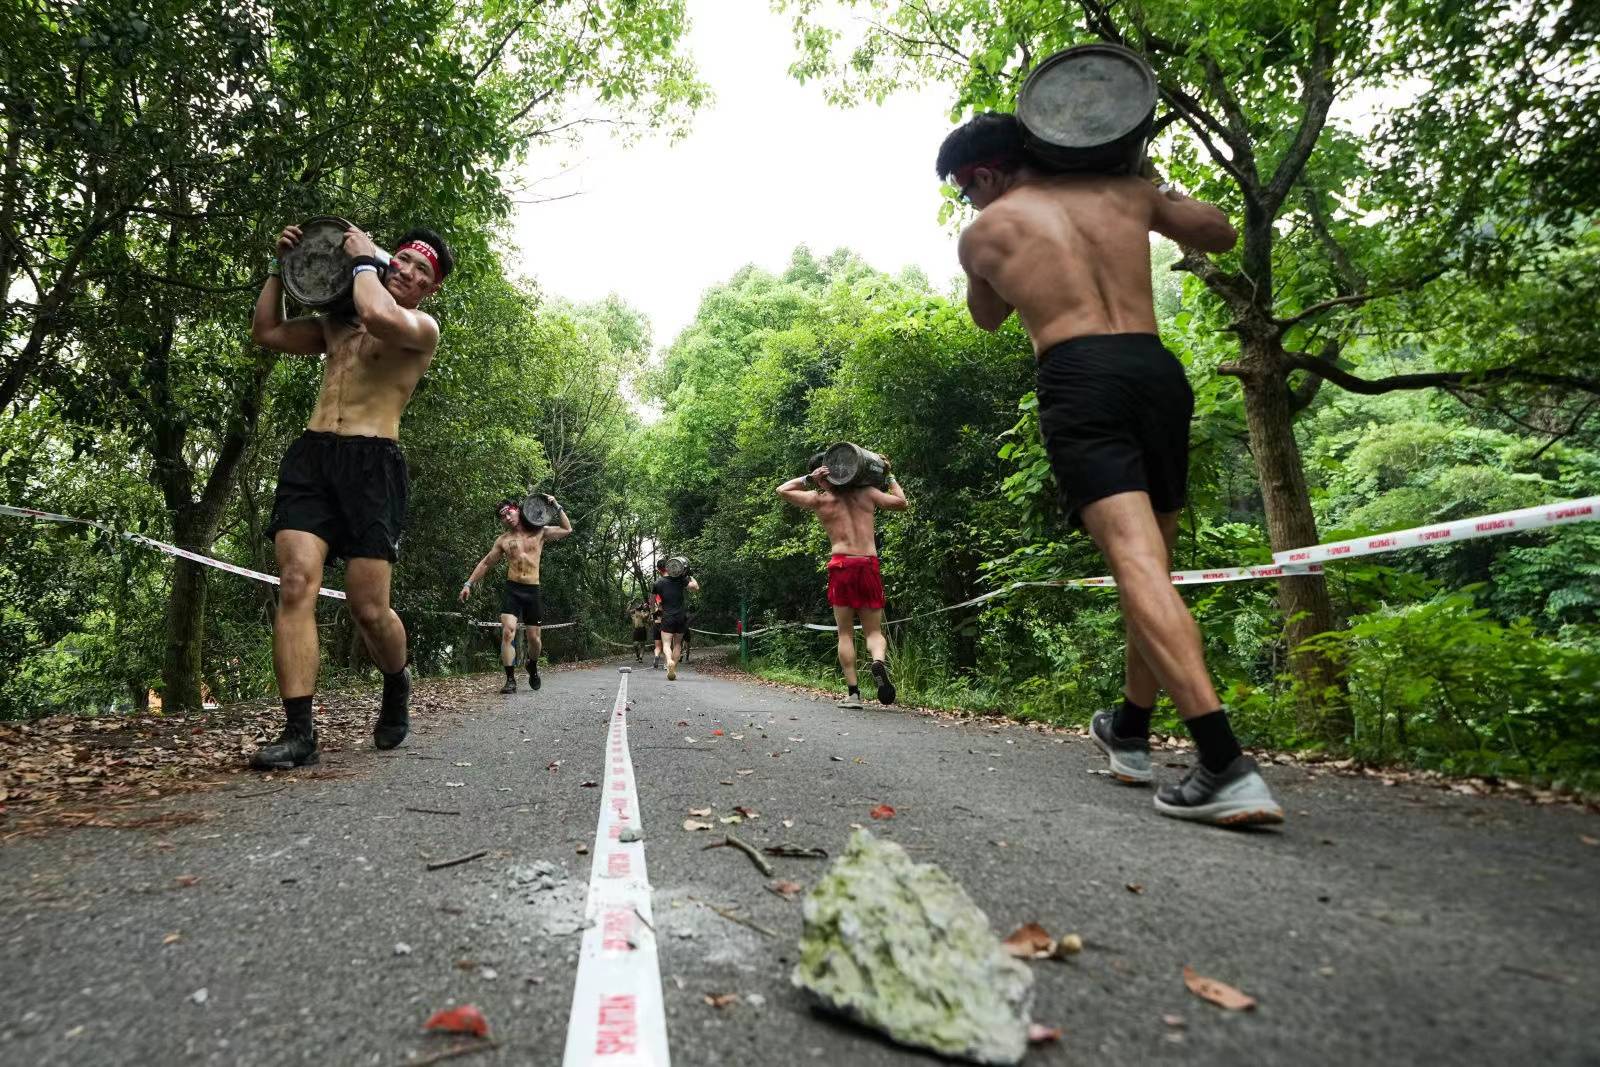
(767, 166)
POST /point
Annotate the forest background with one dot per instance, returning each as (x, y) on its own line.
(1406, 334)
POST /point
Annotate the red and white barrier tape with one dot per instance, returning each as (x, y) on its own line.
(1585, 509)
(159, 546)
(618, 1016)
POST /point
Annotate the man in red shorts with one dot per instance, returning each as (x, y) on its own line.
(855, 585)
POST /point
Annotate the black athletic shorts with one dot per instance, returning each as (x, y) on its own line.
(674, 624)
(1114, 410)
(522, 600)
(639, 633)
(349, 491)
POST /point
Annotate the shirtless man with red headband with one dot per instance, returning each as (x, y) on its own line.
(855, 584)
(1070, 254)
(343, 483)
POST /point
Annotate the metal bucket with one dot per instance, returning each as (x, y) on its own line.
(1089, 108)
(316, 272)
(677, 566)
(852, 465)
(537, 512)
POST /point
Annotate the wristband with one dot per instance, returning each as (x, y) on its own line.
(363, 268)
(274, 268)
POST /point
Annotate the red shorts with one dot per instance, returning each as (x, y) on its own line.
(855, 582)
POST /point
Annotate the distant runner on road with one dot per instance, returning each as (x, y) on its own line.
(855, 581)
(521, 602)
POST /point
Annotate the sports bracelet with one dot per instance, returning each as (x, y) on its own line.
(362, 268)
(274, 268)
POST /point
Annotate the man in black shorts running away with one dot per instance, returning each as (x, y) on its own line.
(1071, 255)
(673, 596)
(520, 601)
(343, 484)
(639, 616)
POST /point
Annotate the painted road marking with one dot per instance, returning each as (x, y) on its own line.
(617, 1012)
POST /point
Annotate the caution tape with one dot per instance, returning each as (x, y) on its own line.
(159, 546)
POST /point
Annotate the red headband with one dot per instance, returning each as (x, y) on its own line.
(425, 250)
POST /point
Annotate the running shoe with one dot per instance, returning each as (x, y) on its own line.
(851, 700)
(534, 681)
(1236, 796)
(510, 686)
(880, 673)
(1130, 757)
(294, 747)
(672, 672)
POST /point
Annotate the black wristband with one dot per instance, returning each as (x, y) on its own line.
(369, 261)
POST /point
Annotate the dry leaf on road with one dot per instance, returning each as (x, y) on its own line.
(463, 1020)
(187, 880)
(696, 824)
(786, 890)
(1135, 888)
(1038, 1033)
(883, 811)
(1221, 994)
(700, 813)
(172, 939)
(721, 1000)
(1030, 941)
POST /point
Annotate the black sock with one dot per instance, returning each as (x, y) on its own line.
(1131, 721)
(511, 673)
(297, 713)
(1214, 738)
(853, 690)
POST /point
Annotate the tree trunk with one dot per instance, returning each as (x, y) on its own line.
(1307, 610)
(180, 669)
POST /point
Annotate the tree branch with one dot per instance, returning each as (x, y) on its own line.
(1433, 379)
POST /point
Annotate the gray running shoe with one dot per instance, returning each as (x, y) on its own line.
(851, 700)
(1238, 796)
(1130, 757)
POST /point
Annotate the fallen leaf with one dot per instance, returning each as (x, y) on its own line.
(583, 850)
(716, 733)
(883, 811)
(463, 1020)
(683, 722)
(701, 813)
(741, 774)
(837, 759)
(463, 764)
(172, 938)
(1221, 994)
(746, 812)
(797, 739)
(786, 890)
(788, 823)
(455, 785)
(726, 819)
(1586, 839)
(727, 781)
(187, 880)
(695, 824)
(721, 1000)
(1174, 1020)
(588, 785)
(1030, 941)
(554, 764)
(1038, 1033)
(1135, 888)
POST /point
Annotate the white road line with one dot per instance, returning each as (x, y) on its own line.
(617, 1011)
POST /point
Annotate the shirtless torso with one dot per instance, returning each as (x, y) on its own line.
(1071, 253)
(847, 514)
(522, 550)
(366, 381)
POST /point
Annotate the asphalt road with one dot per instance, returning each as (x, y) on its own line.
(1401, 924)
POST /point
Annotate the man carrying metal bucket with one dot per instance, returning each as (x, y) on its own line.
(521, 604)
(1070, 254)
(343, 483)
(671, 592)
(850, 490)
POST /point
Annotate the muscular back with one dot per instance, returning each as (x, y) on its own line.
(366, 383)
(1071, 253)
(847, 515)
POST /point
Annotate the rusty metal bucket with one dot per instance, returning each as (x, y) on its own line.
(851, 465)
(316, 272)
(537, 512)
(1089, 108)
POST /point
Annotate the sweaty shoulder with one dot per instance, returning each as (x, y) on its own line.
(990, 235)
